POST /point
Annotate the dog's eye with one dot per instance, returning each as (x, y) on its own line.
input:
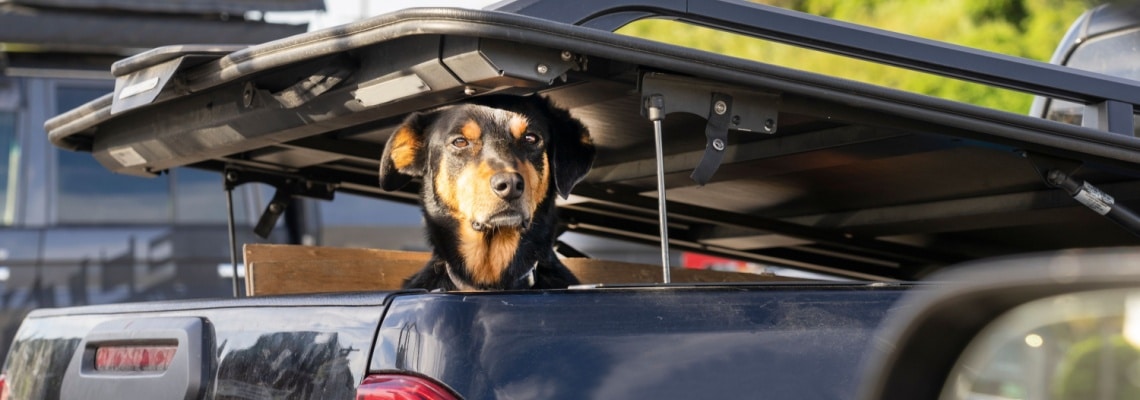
(530, 138)
(459, 142)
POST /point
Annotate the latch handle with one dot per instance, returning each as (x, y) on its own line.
(716, 138)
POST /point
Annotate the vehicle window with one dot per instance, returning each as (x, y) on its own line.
(358, 221)
(89, 193)
(199, 197)
(9, 158)
(1084, 345)
(1114, 55)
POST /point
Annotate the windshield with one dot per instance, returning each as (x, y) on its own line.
(1116, 54)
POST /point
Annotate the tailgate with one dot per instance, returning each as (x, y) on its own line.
(275, 347)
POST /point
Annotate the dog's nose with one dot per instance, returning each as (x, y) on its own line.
(507, 185)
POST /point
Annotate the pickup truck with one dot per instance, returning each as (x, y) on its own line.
(759, 163)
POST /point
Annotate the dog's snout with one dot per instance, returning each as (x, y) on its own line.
(507, 185)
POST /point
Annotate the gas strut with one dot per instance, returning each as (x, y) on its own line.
(1096, 200)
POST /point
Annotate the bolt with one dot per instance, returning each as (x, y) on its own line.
(718, 144)
(542, 69)
(736, 120)
(567, 55)
(247, 95)
(720, 107)
(231, 176)
(1056, 177)
(275, 207)
(769, 125)
(469, 91)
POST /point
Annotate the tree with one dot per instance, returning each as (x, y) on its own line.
(1022, 28)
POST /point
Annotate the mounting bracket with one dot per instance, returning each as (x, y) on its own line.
(724, 107)
(286, 185)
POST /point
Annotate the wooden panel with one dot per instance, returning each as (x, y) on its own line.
(322, 276)
(287, 252)
(288, 269)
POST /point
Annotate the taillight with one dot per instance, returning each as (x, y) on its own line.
(401, 387)
(3, 387)
(134, 358)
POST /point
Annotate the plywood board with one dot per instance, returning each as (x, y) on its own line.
(292, 269)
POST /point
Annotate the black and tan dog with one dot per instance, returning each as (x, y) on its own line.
(491, 170)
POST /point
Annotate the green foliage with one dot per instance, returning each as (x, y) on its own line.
(1022, 28)
(1098, 368)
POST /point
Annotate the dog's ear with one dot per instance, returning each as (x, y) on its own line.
(404, 155)
(572, 147)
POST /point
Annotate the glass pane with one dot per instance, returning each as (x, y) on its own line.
(1111, 55)
(89, 193)
(9, 159)
(355, 210)
(1083, 345)
(200, 197)
(358, 221)
(1114, 55)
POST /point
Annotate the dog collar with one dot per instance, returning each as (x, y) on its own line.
(459, 285)
(528, 277)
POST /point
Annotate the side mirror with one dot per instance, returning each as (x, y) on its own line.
(1063, 325)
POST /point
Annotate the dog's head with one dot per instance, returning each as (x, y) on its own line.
(489, 163)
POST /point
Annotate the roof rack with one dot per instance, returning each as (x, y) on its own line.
(1110, 99)
(1110, 105)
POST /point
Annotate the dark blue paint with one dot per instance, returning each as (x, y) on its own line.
(776, 342)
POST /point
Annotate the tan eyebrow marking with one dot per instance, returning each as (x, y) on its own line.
(471, 131)
(518, 125)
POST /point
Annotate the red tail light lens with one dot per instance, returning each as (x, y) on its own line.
(134, 358)
(3, 387)
(401, 387)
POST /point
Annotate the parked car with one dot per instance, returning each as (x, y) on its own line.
(71, 232)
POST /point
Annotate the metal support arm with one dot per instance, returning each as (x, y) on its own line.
(1095, 199)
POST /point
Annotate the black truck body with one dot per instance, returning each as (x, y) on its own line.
(614, 343)
(813, 172)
